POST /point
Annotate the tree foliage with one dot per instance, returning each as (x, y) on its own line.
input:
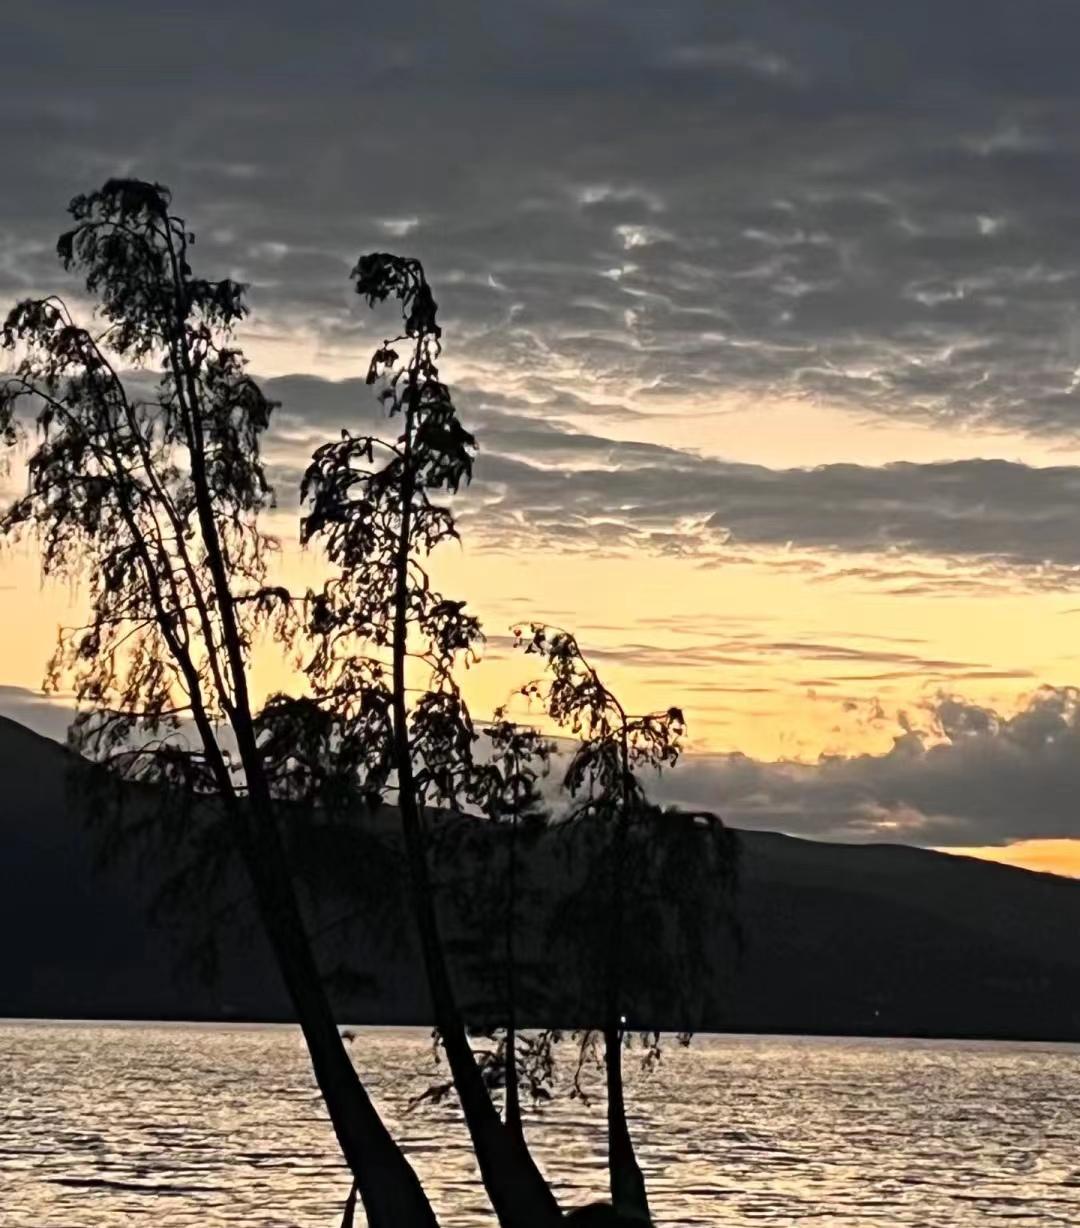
(388, 645)
(152, 493)
(648, 880)
(153, 503)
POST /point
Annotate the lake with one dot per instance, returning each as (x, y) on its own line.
(103, 1125)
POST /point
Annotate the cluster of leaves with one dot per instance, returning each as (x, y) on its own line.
(535, 1057)
(149, 491)
(149, 494)
(372, 505)
(653, 885)
(489, 903)
(118, 485)
(612, 745)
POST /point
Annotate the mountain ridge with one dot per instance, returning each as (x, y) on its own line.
(839, 938)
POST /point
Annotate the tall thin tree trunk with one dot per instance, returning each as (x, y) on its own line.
(519, 1194)
(517, 1189)
(512, 1100)
(628, 1195)
(388, 1186)
(512, 1097)
(390, 1189)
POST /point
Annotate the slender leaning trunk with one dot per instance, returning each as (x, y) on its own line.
(628, 1194)
(512, 1107)
(519, 1194)
(512, 1098)
(387, 1184)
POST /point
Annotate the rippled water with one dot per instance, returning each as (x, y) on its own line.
(109, 1125)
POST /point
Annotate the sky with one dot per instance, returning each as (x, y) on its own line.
(766, 316)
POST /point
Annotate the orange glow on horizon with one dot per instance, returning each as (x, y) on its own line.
(1046, 856)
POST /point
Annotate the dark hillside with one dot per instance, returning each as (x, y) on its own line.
(838, 938)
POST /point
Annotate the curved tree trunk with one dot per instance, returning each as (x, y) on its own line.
(628, 1194)
(163, 305)
(512, 1097)
(512, 1100)
(387, 1184)
(519, 1194)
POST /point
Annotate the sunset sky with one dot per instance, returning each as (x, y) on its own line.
(766, 317)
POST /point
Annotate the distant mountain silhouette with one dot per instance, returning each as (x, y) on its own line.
(839, 939)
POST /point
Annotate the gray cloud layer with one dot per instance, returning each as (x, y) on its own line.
(876, 209)
(539, 483)
(872, 208)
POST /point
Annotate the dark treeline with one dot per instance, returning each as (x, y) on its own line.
(157, 506)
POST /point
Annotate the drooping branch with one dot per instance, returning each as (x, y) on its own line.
(155, 506)
(630, 890)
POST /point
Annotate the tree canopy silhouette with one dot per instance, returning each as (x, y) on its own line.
(387, 649)
(153, 503)
(152, 495)
(653, 883)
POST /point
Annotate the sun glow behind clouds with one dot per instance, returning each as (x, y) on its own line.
(763, 663)
(761, 268)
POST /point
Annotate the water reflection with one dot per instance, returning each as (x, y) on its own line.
(103, 1126)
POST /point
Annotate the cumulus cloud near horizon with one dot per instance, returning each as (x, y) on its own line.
(966, 776)
(958, 774)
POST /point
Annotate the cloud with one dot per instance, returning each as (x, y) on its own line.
(970, 776)
(966, 527)
(729, 645)
(873, 215)
(958, 774)
(541, 483)
(624, 209)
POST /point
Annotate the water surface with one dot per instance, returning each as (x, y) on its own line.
(110, 1125)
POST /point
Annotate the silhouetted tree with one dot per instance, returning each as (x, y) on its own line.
(506, 788)
(385, 636)
(154, 503)
(648, 874)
